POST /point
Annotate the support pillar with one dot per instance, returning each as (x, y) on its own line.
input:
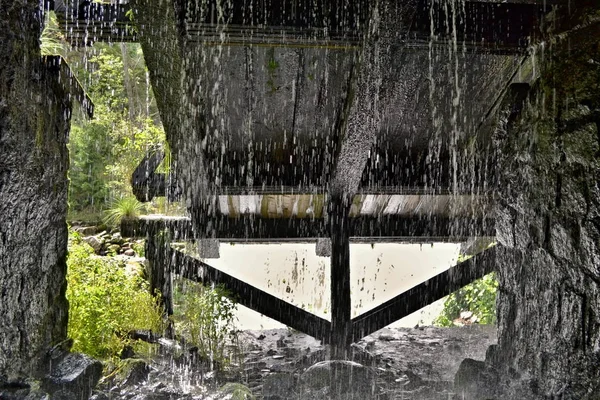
(341, 324)
(158, 256)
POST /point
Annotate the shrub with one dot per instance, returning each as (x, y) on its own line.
(205, 317)
(123, 208)
(105, 303)
(478, 297)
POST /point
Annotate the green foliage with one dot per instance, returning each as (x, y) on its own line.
(205, 317)
(139, 248)
(105, 303)
(479, 297)
(51, 40)
(105, 151)
(123, 208)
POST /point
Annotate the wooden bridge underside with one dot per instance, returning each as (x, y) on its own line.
(506, 27)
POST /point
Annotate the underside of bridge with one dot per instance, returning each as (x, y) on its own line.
(334, 120)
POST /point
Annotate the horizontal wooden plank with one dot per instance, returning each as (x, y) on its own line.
(250, 227)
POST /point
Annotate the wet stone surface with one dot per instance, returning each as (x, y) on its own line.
(418, 363)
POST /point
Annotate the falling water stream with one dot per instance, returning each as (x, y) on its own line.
(276, 111)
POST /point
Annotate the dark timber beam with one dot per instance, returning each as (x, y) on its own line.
(252, 227)
(341, 301)
(424, 294)
(70, 82)
(146, 183)
(249, 296)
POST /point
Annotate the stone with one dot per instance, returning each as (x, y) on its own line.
(349, 378)
(281, 342)
(74, 374)
(94, 243)
(476, 380)
(87, 230)
(113, 248)
(387, 337)
(13, 390)
(129, 253)
(278, 386)
(547, 217)
(235, 391)
(138, 373)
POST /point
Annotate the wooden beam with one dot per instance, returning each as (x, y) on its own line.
(70, 83)
(424, 294)
(341, 301)
(250, 296)
(146, 183)
(366, 227)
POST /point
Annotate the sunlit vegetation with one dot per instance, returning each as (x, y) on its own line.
(205, 317)
(478, 298)
(105, 151)
(106, 303)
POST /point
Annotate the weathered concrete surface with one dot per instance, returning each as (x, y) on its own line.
(548, 220)
(34, 123)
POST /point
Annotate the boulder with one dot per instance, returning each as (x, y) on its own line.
(113, 248)
(138, 373)
(94, 242)
(278, 387)
(235, 391)
(87, 230)
(351, 380)
(74, 375)
(476, 380)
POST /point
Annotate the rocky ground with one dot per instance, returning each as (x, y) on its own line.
(412, 364)
(107, 242)
(402, 363)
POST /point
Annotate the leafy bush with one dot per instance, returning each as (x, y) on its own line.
(205, 317)
(105, 303)
(479, 297)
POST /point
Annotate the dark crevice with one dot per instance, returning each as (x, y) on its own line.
(584, 322)
(548, 233)
(558, 196)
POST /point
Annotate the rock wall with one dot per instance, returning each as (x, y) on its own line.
(34, 123)
(548, 220)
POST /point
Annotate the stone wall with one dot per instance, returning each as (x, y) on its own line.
(34, 124)
(548, 221)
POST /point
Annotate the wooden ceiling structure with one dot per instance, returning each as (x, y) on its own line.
(297, 120)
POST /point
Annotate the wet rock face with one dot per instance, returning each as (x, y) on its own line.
(548, 220)
(34, 123)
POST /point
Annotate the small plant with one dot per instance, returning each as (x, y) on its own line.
(139, 248)
(205, 317)
(478, 297)
(123, 208)
(105, 303)
(51, 40)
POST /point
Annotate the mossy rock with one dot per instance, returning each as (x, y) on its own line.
(235, 391)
